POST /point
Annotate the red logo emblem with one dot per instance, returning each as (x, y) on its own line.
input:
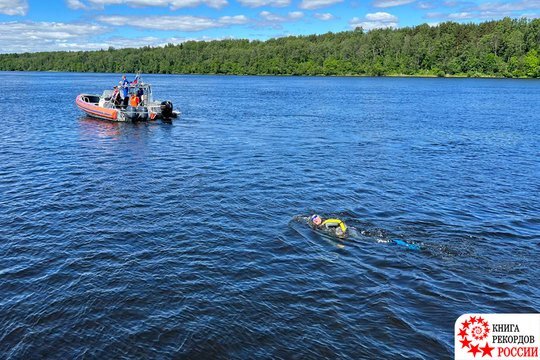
(473, 333)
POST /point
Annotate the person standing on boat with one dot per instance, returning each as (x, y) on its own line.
(140, 94)
(115, 97)
(125, 89)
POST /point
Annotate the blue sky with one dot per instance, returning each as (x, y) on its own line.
(38, 25)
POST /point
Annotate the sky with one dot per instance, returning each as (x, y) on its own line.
(56, 25)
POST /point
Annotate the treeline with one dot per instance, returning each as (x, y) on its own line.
(506, 48)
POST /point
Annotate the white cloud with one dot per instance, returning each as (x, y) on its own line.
(275, 21)
(44, 36)
(273, 18)
(13, 7)
(465, 15)
(180, 23)
(293, 15)
(381, 16)
(47, 36)
(172, 4)
(530, 15)
(75, 4)
(324, 17)
(19, 37)
(378, 20)
(461, 16)
(391, 3)
(508, 6)
(488, 10)
(424, 5)
(259, 3)
(317, 4)
(434, 15)
(46, 30)
(455, 3)
(120, 42)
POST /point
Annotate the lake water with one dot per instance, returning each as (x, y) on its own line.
(179, 241)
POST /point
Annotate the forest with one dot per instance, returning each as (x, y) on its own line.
(502, 48)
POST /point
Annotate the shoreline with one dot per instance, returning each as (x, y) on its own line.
(427, 76)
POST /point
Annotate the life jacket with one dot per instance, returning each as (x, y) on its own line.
(134, 101)
(331, 223)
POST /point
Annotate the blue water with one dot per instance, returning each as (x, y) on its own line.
(180, 241)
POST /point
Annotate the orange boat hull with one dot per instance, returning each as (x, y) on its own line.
(96, 111)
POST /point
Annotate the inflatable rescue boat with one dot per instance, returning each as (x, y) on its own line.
(111, 106)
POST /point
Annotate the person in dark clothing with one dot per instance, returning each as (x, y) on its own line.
(140, 94)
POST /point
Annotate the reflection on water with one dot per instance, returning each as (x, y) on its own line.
(91, 127)
(137, 135)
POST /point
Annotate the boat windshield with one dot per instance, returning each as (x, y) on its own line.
(142, 89)
(106, 94)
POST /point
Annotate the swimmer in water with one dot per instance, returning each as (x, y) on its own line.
(333, 227)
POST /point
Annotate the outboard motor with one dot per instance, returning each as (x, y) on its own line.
(143, 113)
(166, 109)
(131, 113)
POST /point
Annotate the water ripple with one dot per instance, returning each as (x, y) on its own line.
(179, 240)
